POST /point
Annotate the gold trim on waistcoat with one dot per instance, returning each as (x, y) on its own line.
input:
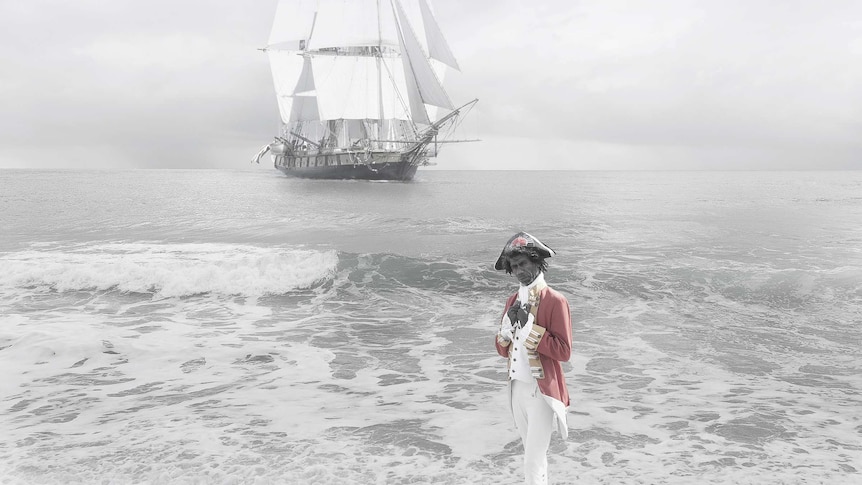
(531, 343)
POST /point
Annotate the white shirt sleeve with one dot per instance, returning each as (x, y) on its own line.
(507, 330)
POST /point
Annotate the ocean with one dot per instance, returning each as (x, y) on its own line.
(233, 327)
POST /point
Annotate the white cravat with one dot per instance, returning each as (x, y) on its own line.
(524, 291)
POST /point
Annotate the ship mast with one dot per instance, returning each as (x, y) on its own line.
(379, 73)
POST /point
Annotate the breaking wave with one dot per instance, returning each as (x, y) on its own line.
(168, 270)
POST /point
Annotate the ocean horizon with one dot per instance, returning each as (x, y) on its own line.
(238, 326)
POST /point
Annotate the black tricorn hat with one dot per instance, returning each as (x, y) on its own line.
(526, 241)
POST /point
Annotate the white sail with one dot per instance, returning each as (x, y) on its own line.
(294, 20)
(305, 83)
(353, 87)
(346, 86)
(413, 15)
(393, 90)
(352, 23)
(339, 60)
(355, 23)
(303, 108)
(437, 47)
(417, 108)
(429, 88)
(440, 71)
(286, 68)
(293, 23)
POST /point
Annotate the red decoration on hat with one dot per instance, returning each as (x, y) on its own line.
(520, 240)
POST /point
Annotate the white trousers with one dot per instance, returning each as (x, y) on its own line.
(534, 420)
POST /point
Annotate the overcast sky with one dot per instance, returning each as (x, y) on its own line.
(596, 84)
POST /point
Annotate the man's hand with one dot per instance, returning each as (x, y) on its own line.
(512, 313)
(517, 315)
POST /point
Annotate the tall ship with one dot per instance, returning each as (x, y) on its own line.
(359, 89)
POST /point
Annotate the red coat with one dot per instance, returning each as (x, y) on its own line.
(555, 345)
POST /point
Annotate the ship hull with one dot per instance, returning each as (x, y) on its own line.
(378, 166)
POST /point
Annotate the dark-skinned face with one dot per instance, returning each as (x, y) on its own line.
(523, 268)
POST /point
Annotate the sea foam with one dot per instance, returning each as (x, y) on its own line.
(168, 270)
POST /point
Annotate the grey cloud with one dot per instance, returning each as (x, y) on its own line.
(162, 83)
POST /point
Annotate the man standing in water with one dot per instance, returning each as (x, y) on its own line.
(535, 336)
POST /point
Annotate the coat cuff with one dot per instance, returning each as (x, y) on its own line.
(534, 337)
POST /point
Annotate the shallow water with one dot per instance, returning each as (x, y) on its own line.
(239, 327)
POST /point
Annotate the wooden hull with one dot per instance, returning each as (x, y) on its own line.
(334, 166)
